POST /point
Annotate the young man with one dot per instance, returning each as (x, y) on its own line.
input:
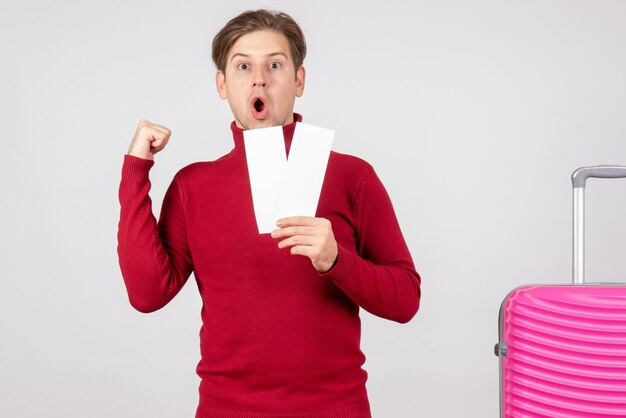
(281, 327)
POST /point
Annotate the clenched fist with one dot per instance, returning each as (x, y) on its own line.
(149, 139)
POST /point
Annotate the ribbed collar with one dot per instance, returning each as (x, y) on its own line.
(287, 134)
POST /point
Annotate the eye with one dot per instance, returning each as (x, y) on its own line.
(243, 66)
(275, 65)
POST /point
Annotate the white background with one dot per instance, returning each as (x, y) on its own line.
(474, 114)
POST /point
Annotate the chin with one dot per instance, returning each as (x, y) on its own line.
(255, 124)
(262, 123)
(250, 122)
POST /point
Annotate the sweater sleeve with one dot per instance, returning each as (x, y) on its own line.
(154, 257)
(381, 278)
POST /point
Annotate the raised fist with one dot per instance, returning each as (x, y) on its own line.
(149, 139)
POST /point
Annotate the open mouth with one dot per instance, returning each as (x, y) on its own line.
(259, 105)
(258, 108)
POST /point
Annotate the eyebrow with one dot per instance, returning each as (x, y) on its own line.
(273, 54)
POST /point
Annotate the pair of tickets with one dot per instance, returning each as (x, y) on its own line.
(286, 186)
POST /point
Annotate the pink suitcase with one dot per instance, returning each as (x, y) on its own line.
(562, 348)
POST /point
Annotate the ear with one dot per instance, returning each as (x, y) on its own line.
(220, 83)
(300, 75)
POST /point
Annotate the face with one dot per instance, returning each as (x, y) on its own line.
(260, 80)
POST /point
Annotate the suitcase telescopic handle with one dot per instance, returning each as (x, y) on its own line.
(579, 180)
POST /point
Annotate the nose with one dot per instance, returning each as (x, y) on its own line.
(259, 79)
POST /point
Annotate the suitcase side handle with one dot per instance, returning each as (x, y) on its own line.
(579, 180)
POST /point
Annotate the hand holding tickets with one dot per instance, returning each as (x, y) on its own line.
(311, 237)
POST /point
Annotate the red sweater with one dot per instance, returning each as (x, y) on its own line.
(279, 339)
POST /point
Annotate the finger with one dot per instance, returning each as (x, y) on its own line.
(161, 133)
(303, 250)
(143, 122)
(313, 253)
(294, 230)
(148, 128)
(158, 136)
(154, 134)
(145, 126)
(156, 147)
(146, 122)
(158, 140)
(162, 128)
(305, 240)
(297, 220)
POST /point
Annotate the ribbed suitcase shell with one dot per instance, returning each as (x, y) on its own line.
(565, 352)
